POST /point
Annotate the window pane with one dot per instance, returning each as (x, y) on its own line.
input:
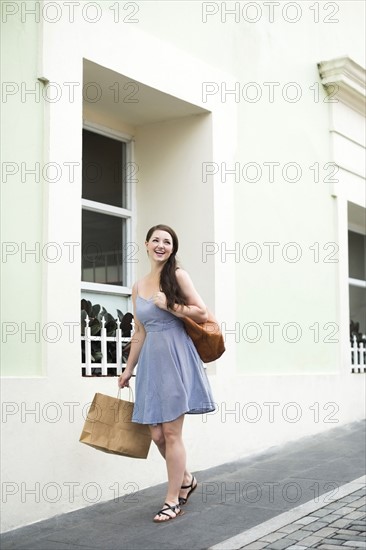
(102, 237)
(356, 255)
(357, 305)
(104, 167)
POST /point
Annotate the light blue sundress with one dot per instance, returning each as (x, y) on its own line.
(170, 378)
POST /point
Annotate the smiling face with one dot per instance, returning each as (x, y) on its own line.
(160, 246)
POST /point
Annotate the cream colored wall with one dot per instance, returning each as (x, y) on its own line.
(304, 399)
(170, 191)
(299, 216)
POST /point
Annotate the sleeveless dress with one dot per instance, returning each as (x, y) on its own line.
(170, 378)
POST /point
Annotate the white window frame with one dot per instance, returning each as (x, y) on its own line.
(126, 213)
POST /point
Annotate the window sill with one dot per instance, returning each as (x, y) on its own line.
(106, 289)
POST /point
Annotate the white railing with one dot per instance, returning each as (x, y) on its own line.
(104, 366)
(358, 351)
(358, 356)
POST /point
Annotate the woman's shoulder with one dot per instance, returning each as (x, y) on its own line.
(138, 284)
(182, 275)
(135, 286)
(134, 289)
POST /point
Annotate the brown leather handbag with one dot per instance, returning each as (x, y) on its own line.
(207, 338)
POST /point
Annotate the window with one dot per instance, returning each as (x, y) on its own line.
(357, 278)
(357, 256)
(106, 211)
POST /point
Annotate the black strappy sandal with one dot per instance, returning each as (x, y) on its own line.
(182, 500)
(173, 508)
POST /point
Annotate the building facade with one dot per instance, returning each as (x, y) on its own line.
(241, 125)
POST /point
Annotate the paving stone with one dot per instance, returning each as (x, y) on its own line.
(323, 512)
(315, 526)
(349, 531)
(355, 544)
(356, 527)
(325, 532)
(330, 547)
(340, 523)
(354, 515)
(296, 547)
(312, 540)
(289, 528)
(255, 545)
(306, 520)
(348, 537)
(298, 535)
(350, 498)
(337, 504)
(331, 518)
(281, 544)
(360, 502)
(272, 537)
(332, 541)
(344, 510)
(361, 521)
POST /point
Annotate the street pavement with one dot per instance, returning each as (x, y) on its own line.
(309, 493)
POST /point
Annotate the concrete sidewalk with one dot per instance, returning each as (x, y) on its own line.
(295, 496)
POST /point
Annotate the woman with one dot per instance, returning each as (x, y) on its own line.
(171, 380)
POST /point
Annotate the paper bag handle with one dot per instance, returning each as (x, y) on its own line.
(130, 393)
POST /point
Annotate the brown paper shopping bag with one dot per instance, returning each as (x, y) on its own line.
(108, 427)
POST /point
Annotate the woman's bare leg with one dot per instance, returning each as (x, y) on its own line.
(158, 437)
(175, 457)
(170, 445)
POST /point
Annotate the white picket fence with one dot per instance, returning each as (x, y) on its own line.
(103, 339)
(358, 356)
(358, 351)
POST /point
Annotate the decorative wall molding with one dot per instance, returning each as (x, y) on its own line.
(350, 79)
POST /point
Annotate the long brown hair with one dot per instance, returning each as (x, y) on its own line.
(168, 280)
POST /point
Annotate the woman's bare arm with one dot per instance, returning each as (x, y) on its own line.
(196, 308)
(137, 341)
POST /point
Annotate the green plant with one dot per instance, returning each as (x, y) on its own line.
(96, 313)
(355, 331)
